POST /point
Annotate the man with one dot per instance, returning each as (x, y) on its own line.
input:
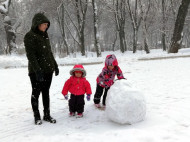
(41, 65)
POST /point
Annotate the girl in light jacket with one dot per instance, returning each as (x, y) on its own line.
(77, 85)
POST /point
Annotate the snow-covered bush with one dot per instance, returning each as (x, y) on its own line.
(124, 103)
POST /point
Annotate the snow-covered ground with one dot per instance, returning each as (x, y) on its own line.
(164, 83)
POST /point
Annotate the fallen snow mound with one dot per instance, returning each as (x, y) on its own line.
(124, 103)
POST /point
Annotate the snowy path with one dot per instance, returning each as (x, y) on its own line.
(165, 84)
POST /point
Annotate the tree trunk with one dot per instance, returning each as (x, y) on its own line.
(96, 37)
(81, 18)
(163, 26)
(10, 32)
(144, 14)
(176, 39)
(82, 42)
(122, 41)
(114, 41)
(61, 17)
(164, 40)
(146, 46)
(11, 38)
(120, 13)
(135, 22)
(134, 40)
(63, 30)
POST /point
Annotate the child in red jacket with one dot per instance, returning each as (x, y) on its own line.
(77, 85)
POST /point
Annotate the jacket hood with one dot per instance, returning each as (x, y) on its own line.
(38, 19)
(78, 68)
(111, 60)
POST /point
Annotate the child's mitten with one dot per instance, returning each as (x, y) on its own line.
(88, 97)
(66, 97)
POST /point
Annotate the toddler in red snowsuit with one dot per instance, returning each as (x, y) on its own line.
(106, 78)
(77, 85)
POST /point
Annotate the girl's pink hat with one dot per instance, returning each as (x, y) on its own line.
(111, 60)
(78, 68)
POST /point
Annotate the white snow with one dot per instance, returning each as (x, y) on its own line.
(4, 6)
(7, 19)
(165, 84)
(125, 104)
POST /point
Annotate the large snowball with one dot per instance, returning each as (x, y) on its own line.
(125, 104)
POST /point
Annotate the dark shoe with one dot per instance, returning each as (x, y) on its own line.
(49, 119)
(37, 118)
(38, 122)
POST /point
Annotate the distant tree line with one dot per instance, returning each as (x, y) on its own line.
(99, 25)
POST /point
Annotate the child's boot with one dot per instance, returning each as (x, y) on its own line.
(79, 115)
(97, 105)
(103, 107)
(72, 114)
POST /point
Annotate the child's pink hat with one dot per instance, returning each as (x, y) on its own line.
(78, 68)
(111, 60)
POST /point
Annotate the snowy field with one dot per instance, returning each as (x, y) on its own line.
(165, 84)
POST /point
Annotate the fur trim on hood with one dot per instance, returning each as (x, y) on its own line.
(78, 68)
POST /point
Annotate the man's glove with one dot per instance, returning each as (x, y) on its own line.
(39, 76)
(66, 97)
(56, 71)
(88, 97)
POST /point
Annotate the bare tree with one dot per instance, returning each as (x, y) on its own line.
(111, 27)
(177, 36)
(120, 14)
(9, 27)
(76, 24)
(96, 35)
(135, 21)
(81, 9)
(61, 21)
(145, 11)
(167, 17)
(163, 25)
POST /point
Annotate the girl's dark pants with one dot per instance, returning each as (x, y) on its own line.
(37, 88)
(99, 93)
(76, 103)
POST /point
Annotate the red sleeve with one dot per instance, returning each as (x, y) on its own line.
(66, 87)
(102, 77)
(88, 87)
(119, 73)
